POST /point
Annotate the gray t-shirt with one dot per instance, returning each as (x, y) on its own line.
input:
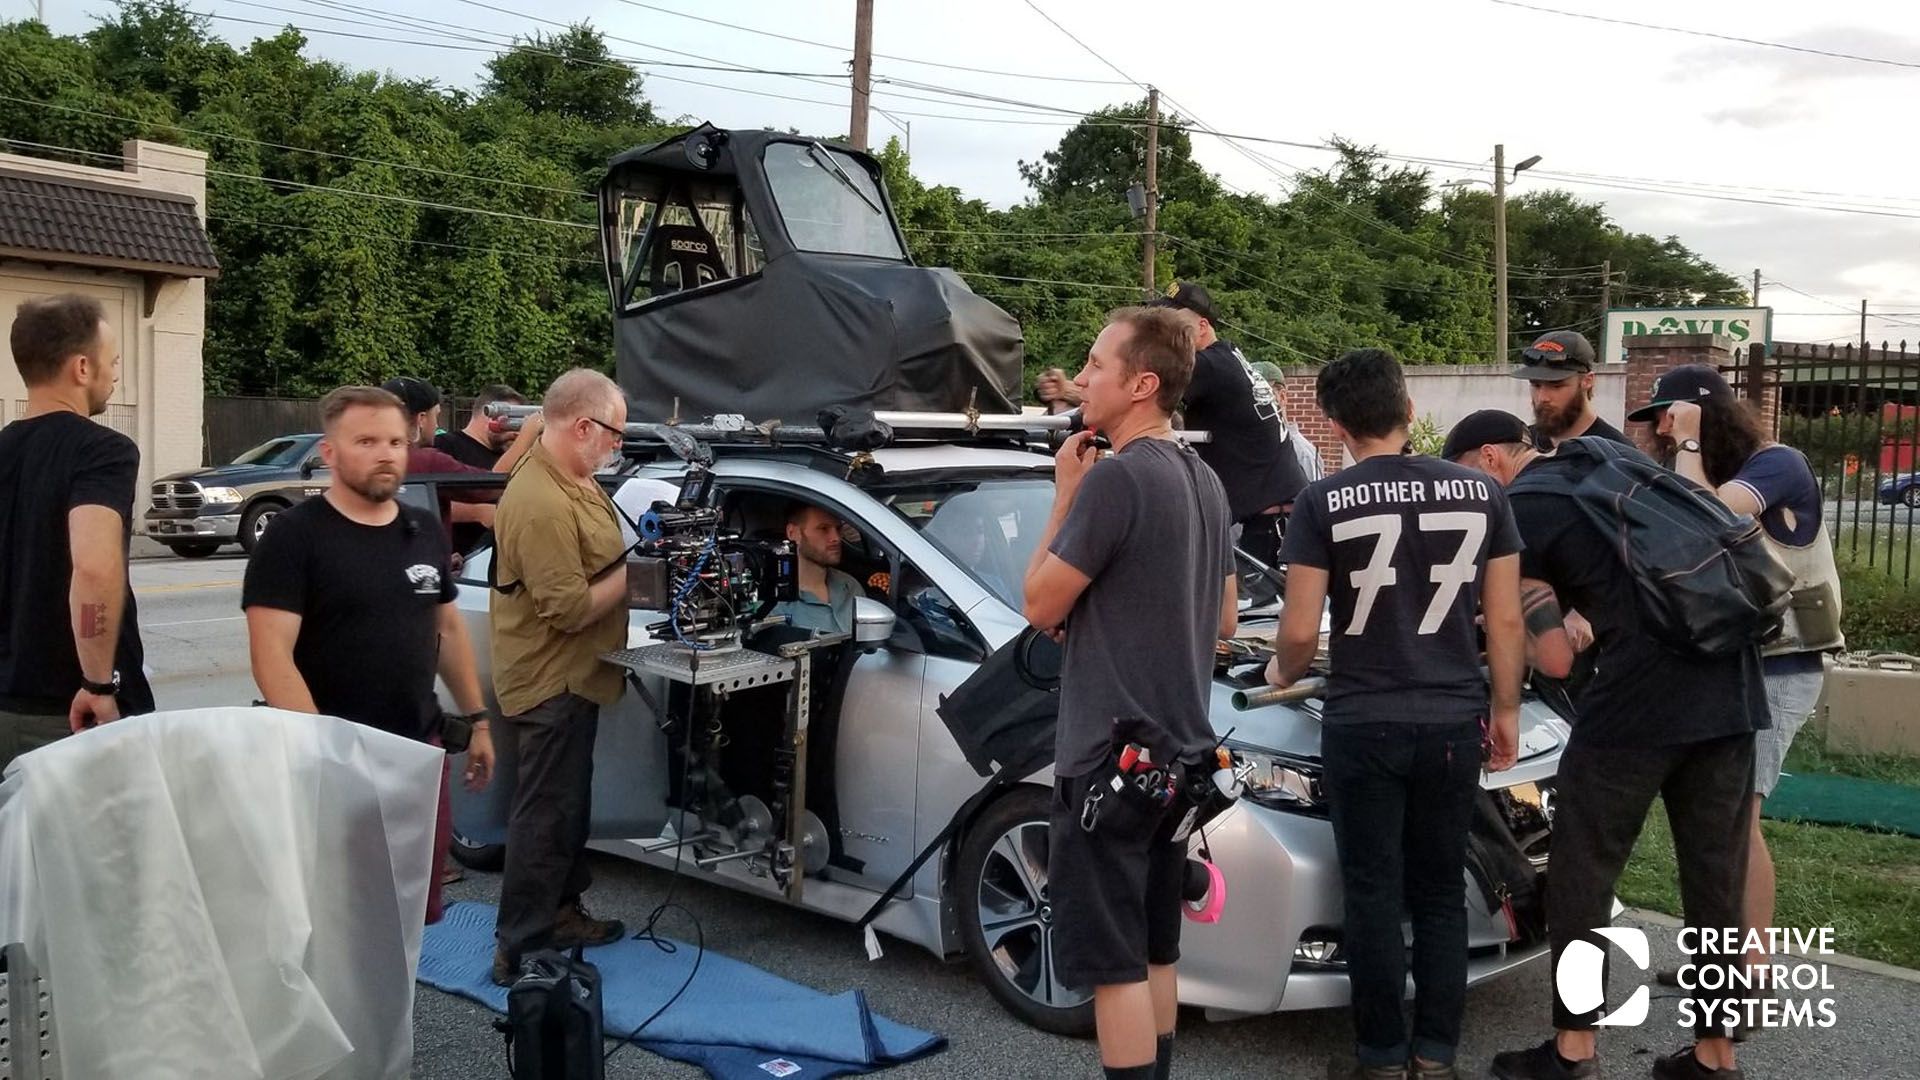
(1150, 528)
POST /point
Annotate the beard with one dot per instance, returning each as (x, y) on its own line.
(376, 486)
(1554, 421)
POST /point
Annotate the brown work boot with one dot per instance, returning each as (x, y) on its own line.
(505, 971)
(574, 925)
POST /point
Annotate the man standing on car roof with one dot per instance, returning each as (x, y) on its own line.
(1559, 368)
(1248, 447)
(1142, 592)
(1653, 722)
(559, 602)
(1410, 550)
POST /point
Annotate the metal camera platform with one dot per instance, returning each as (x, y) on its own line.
(792, 848)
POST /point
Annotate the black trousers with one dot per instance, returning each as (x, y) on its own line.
(547, 827)
(1603, 795)
(1401, 798)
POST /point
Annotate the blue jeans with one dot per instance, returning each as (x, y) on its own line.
(1401, 798)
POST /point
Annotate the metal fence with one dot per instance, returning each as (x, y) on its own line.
(1855, 412)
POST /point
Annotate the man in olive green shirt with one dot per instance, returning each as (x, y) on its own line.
(560, 603)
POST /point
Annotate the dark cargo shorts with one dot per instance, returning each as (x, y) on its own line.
(1115, 892)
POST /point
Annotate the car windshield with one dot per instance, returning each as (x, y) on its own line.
(275, 452)
(987, 527)
(829, 201)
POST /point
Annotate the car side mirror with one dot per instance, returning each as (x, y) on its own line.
(309, 467)
(872, 622)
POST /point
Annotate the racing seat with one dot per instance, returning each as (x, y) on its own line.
(684, 257)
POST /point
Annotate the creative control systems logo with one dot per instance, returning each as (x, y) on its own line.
(1786, 992)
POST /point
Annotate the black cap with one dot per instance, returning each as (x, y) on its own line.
(1488, 427)
(1559, 355)
(418, 395)
(1693, 382)
(1188, 297)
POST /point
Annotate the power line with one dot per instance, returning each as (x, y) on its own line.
(1091, 51)
(885, 56)
(1831, 54)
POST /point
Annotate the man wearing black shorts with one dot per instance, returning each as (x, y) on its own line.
(1410, 550)
(1135, 569)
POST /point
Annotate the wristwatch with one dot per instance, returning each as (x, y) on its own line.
(1691, 446)
(102, 689)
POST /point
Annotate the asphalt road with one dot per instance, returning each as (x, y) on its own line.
(196, 643)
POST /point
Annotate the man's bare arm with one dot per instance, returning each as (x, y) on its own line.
(271, 634)
(1548, 648)
(96, 599)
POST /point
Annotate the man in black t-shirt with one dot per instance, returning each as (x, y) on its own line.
(1135, 567)
(70, 655)
(1410, 551)
(1652, 722)
(1236, 407)
(349, 598)
(478, 444)
(1559, 367)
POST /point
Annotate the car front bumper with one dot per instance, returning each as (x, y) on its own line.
(175, 529)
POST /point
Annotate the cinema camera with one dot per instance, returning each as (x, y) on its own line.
(713, 584)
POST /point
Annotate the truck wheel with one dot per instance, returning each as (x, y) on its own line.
(1006, 920)
(253, 524)
(489, 857)
(194, 551)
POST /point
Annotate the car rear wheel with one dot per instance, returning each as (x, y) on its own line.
(1006, 918)
(477, 856)
(253, 523)
(195, 551)
(1912, 496)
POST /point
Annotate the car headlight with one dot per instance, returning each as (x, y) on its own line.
(1282, 782)
(221, 494)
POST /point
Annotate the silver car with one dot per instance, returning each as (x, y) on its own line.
(941, 539)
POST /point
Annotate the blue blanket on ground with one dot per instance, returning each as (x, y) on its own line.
(734, 1020)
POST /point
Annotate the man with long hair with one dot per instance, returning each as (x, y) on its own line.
(1714, 439)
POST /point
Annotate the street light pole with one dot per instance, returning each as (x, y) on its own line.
(1500, 253)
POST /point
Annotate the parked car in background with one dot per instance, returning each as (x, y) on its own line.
(198, 511)
(1901, 489)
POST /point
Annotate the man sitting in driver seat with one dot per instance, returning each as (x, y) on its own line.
(826, 595)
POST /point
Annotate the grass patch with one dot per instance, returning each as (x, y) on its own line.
(1864, 885)
(1881, 602)
(1807, 755)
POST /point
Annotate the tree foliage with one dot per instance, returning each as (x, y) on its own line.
(370, 225)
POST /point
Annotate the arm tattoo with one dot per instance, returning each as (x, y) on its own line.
(93, 620)
(1540, 608)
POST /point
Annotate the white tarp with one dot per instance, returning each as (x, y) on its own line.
(223, 892)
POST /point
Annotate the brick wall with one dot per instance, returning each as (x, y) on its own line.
(1652, 355)
(1303, 412)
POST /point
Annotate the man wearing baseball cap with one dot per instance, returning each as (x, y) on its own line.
(1250, 449)
(1652, 722)
(1559, 365)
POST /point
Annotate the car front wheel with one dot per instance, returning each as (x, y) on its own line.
(1006, 918)
(1912, 496)
(195, 551)
(477, 856)
(253, 524)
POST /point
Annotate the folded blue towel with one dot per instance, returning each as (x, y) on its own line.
(734, 1020)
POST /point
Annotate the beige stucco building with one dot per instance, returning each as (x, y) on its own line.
(135, 237)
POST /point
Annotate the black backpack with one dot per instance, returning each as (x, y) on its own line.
(553, 1024)
(1704, 579)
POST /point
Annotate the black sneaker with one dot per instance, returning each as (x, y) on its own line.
(1541, 1063)
(1682, 1065)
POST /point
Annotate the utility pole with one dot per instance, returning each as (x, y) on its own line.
(1606, 289)
(1863, 328)
(1756, 286)
(1500, 253)
(1153, 187)
(862, 72)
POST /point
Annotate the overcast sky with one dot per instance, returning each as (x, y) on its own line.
(1431, 78)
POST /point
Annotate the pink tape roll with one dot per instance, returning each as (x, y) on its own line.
(1209, 909)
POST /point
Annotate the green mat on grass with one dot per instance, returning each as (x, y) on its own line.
(1844, 800)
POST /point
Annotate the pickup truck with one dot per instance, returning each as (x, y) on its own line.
(197, 512)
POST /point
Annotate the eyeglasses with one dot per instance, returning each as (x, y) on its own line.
(616, 431)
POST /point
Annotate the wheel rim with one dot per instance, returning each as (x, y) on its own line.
(1016, 918)
(1913, 496)
(260, 523)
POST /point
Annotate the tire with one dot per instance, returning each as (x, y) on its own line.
(195, 551)
(253, 523)
(1911, 496)
(1005, 922)
(488, 857)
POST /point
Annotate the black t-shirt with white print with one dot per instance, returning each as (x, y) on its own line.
(369, 598)
(1248, 450)
(1405, 542)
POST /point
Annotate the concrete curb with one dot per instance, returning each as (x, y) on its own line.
(1842, 960)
